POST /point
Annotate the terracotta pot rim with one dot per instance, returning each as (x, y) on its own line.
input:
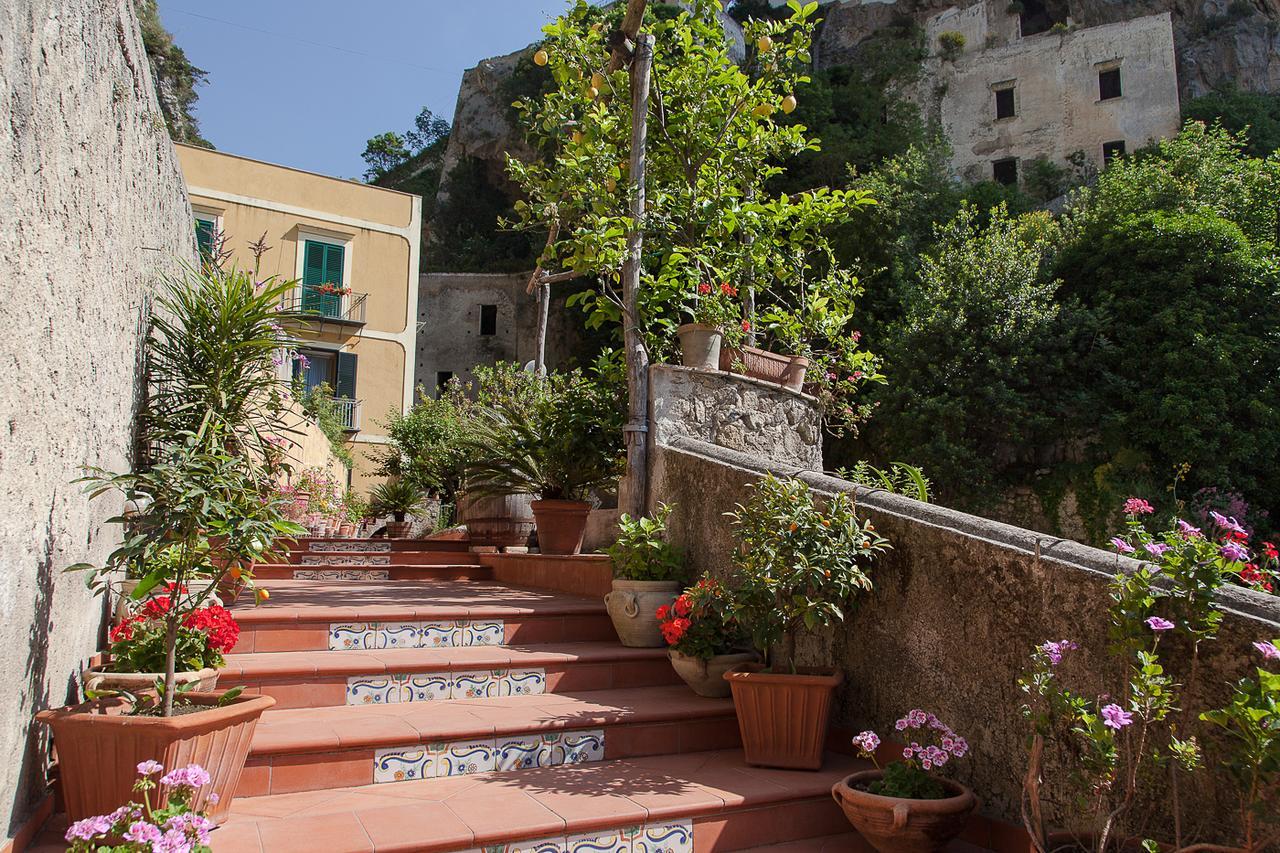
(750, 673)
(560, 505)
(962, 797)
(799, 360)
(698, 327)
(244, 706)
(197, 674)
(655, 586)
(745, 657)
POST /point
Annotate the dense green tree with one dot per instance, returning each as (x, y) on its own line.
(174, 76)
(1253, 115)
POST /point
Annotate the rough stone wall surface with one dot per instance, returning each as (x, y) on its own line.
(957, 606)
(754, 417)
(92, 209)
(449, 336)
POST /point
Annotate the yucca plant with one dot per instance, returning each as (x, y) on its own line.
(396, 497)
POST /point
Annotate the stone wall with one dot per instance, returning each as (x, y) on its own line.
(92, 211)
(958, 605)
(449, 338)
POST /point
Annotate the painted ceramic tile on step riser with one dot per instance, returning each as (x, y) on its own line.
(341, 575)
(339, 547)
(347, 636)
(346, 560)
(459, 758)
(426, 687)
(674, 837)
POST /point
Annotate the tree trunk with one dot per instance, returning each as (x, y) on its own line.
(635, 485)
(544, 309)
(170, 659)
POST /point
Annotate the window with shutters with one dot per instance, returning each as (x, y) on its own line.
(206, 234)
(488, 320)
(323, 263)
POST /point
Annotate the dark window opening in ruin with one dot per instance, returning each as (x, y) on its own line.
(488, 319)
(1109, 84)
(1035, 17)
(442, 379)
(1005, 171)
(1005, 107)
(1112, 150)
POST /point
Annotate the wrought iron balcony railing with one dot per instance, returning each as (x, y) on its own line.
(349, 411)
(325, 302)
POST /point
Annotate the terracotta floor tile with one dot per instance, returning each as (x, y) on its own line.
(255, 779)
(276, 737)
(374, 731)
(341, 832)
(239, 837)
(636, 739)
(491, 814)
(278, 806)
(588, 809)
(321, 771)
(415, 827)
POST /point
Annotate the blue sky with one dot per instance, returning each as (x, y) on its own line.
(305, 82)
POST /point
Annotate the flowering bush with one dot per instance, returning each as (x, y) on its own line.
(910, 778)
(716, 305)
(170, 825)
(331, 289)
(698, 623)
(798, 563)
(204, 636)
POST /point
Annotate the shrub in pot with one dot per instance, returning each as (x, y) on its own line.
(705, 640)
(206, 482)
(396, 497)
(560, 441)
(714, 312)
(799, 564)
(646, 576)
(902, 807)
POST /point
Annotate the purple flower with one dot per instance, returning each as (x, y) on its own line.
(1269, 650)
(1055, 650)
(867, 742)
(908, 752)
(149, 768)
(89, 828)
(302, 360)
(143, 832)
(1226, 523)
(1233, 553)
(1156, 549)
(191, 776)
(1187, 530)
(1155, 623)
(1137, 506)
(1120, 545)
(1116, 717)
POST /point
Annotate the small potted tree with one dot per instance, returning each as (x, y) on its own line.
(705, 640)
(903, 807)
(396, 497)
(646, 573)
(714, 314)
(799, 564)
(560, 444)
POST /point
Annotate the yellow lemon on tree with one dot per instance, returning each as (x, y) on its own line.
(592, 93)
(765, 44)
(577, 137)
(262, 594)
(598, 81)
(764, 110)
(540, 58)
(789, 104)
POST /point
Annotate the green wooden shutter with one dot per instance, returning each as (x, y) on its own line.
(321, 264)
(313, 263)
(346, 378)
(333, 258)
(204, 237)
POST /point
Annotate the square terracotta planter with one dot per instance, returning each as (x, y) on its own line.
(785, 370)
(99, 749)
(783, 717)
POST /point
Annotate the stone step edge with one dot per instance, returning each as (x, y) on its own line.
(320, 617)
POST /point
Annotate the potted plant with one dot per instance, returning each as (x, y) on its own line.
(174, 821)
(705, 640)
(206, 484)
(903, 807)
(138, 650)
(646, 572)
(354, 508)
(712, 309)
(560, 443)
(397, 498)
(799, 564)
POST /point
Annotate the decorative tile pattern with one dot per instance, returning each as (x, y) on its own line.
(344, 636)
(486, 633)
(339, 547)
(571, 748)
(674, 837)
(437, 635)
(603, 841)
(346, 560)
(341, 575)
(544, 845)
(465, 756)
(427, 687)
(476, 685)
(403, 764)
(523, 682)
(518, 752)
(399, 635)
(373, 690)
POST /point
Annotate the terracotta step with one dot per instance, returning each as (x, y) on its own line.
(383, 676)
(314, 545)
(356, 615)
(700, 801)
(847, 842)
(420, 557)
(456, 571)
(311, 749)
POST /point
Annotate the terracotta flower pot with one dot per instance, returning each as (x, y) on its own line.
(782, 716)
(561, 525)
(99, 749)
(346, 530)
(398, 529)
(97, 679)
(706, 677)
(700, 346)
(895, 825)
(785, 370)
(633, 606)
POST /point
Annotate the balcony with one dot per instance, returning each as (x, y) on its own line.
(326, 304)
(349, 412)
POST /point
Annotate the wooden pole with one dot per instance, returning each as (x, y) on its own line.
(634, 492)
(544, 308)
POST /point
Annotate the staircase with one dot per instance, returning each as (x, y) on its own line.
(422, 706)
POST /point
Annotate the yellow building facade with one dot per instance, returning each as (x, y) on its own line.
(353, 251)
